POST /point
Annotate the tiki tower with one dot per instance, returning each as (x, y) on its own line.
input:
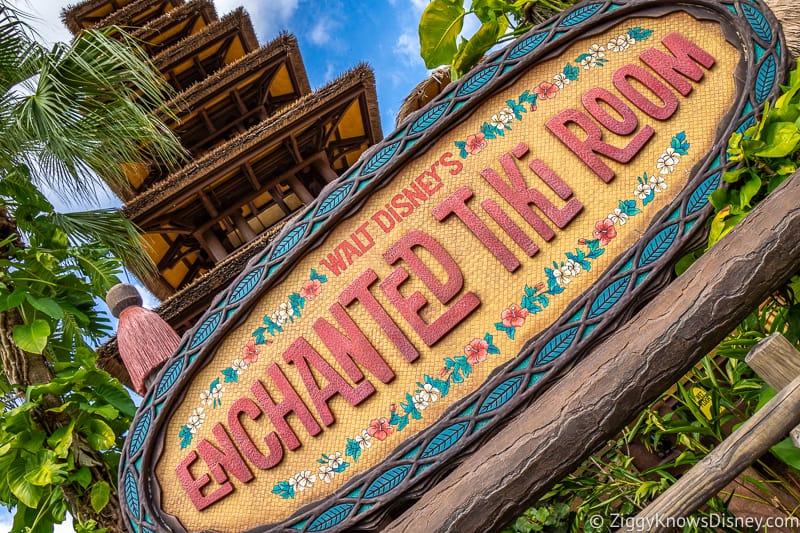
(262, 144)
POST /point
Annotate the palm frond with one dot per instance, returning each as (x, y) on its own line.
(110, 229)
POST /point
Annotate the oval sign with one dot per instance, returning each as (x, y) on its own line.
(453, 272)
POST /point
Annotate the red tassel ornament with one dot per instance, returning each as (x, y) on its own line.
(145, 340)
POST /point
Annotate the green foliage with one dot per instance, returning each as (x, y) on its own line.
(67, 115)
(96, 410)
(501, 20)
(768, 152)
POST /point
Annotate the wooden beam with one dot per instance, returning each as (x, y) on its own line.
(621, 376)
(266, 186)
(237, 99)
(244, 228)
(738, 451)
(777, 362)
(251, 176)
(299, 189)
(323, 167)
(211, 244)
(212, 210)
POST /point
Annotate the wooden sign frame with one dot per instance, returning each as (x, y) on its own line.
(414, 467)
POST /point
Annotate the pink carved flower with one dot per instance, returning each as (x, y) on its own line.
(546, 90)
(476, 351)
(513, 316)
(475, 143)
(380, 428)
(605, 231)
(250, 352)
(310, 289)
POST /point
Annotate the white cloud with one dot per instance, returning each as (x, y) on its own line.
(320, 33)
(419, 5)
(407, 48)
(268, 17)
(330, 72)
(46, 19)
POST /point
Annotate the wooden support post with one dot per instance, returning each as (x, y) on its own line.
(742, 447)
(300, 190)
(619, 377)
(244, 228)
(322, 166)
(777, 362)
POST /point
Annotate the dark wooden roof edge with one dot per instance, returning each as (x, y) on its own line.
(187, 10)
(284, 43)
(211, 282)
(235, 19)
(199, 168)
(122, 17)
(218, 278)
(71, 13)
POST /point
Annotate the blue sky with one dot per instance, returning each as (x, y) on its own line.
(334, 35)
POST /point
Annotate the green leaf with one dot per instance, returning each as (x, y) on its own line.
(32, 337)
(47, 473)
(439, 28)
(61, 440)
(781, 139)
(100, 494)
(25, 491)
(83, 476)
(470, 52)
(99, 434)
(749, 190)
(47, 306)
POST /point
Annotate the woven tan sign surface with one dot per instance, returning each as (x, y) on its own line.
(427, 289)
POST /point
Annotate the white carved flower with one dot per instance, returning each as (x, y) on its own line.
(571, 268)
(279, 318)
(363, 440)
(303, 480)
(597, 51)
(218, 391)
(658, 183)
(666, 163)
(560, 80)
(419, 402)
(618, 217)
(621, 43)
(502, 118)
(429, 393)
(335, 460)
(196, 419)
(326, 473)
(239, 365)
(205, 397)
(642, 191)
(561, 277)
(589, 62)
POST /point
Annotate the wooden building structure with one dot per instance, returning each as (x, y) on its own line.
(262, 145)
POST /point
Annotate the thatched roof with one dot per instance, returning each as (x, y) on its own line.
(237, 20)
(207, 165)
(200, 91)
(424, 92)
(174, 16)
(127, 15)
(73, 14)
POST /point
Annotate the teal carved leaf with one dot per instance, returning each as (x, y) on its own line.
(331, 517)
(445, 439)
(610, 296)
(387, 481)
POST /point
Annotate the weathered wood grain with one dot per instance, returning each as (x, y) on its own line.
(622, 375)
(777, 362)
(738, 451)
